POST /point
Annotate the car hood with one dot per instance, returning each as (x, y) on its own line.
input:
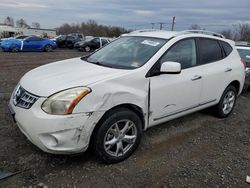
(51, 78)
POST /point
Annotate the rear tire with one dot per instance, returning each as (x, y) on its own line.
(118, 135)
(227, 102)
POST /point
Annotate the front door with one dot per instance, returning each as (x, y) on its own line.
(175, 94)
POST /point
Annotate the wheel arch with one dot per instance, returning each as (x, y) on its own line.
(136, 109)
(236, 84)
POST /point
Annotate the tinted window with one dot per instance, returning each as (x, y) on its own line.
(183, 52)
(34, 39)
(210, 51)
(227, 48)
(70, 38)
(104, 41)
(96, 40)
(21, 37)
(245, 55)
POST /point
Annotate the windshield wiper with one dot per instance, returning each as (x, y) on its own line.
(99, 63)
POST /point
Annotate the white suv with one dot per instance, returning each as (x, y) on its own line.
(139, 80)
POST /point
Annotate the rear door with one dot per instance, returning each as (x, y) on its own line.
(216, 70)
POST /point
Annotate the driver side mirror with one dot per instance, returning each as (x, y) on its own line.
(170, 67)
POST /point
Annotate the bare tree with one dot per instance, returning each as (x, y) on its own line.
(9, 21)
(92, 28)
(228, 33)
(242, 32)
(36, 25)
(21, 23)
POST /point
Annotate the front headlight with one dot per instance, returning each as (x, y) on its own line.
(64, 102)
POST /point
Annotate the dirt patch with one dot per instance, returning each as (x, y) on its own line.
(197, 150)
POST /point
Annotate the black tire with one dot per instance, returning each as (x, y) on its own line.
(218, 109)
(87, 49)
(117, 117)
(14, 49)
(48, 48)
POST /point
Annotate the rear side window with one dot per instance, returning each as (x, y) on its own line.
(227, 48)
(210, 51)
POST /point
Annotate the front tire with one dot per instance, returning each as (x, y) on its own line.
(118, 135)
(87, 49)
(14, 49)
(227, 102)
(48, 48)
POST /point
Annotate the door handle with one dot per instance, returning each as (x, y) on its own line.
(196, 77)
(228, 69)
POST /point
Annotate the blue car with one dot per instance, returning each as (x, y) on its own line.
(29, 43)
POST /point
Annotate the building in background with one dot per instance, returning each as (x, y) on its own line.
(9, 31)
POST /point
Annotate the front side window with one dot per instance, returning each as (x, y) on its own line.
(104, 41)
(183, 52)
(127, 52)
(210, 51)
(96, 40)
(33, 39)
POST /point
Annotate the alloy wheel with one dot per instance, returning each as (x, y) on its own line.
(120, 137)
(228, 102)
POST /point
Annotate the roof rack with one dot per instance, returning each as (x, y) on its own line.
(146, 30)
(203, 32)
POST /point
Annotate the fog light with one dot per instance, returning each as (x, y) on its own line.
(49, 140)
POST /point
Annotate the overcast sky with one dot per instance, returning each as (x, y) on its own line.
(213, 15)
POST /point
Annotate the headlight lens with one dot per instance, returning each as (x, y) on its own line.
(64, 102)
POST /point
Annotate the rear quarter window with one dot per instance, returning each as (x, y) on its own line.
(226, 47)
(210, 50)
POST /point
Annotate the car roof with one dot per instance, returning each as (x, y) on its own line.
(170, 34)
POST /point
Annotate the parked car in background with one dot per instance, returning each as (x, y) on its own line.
(244, 51)
(28, 43)
(92, 44)
(79, 43)
(140, 80)
(55, 38)
(17, 37)
(67, 41)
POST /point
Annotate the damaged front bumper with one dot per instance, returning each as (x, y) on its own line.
(57, 134)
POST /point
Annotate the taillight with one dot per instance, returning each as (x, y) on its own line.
(244, 63)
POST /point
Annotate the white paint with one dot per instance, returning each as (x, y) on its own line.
(21, 45)
(169, 93)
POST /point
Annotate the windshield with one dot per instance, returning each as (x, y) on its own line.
(21, 37)
(245, 55)
(127, 52)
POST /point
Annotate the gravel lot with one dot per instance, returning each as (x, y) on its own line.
(197, 150)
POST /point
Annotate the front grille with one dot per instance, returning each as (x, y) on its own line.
(23, 98)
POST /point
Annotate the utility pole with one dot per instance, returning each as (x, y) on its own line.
(173, 22)
(161, 25)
